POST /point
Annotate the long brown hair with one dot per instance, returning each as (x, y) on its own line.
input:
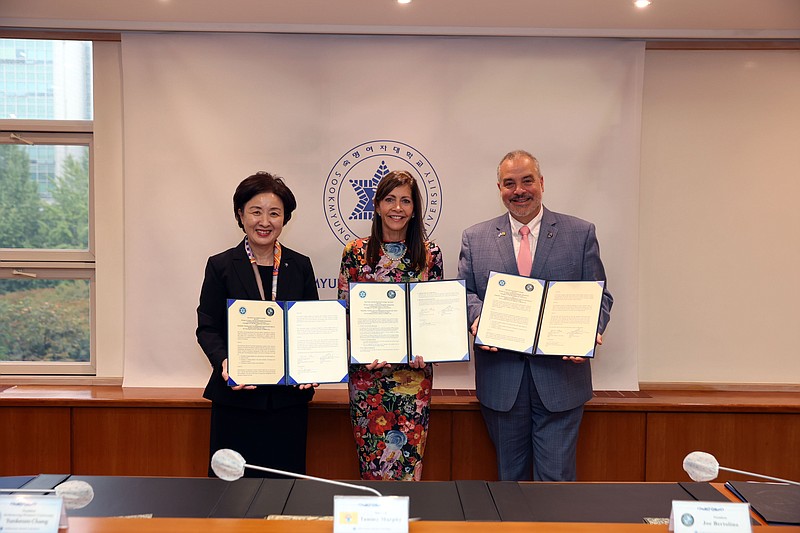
(415, 234)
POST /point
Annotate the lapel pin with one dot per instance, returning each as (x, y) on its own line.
(501, 234)
(549, 234)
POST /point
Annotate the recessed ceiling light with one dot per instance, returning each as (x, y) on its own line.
(403, 1)
(641, 3)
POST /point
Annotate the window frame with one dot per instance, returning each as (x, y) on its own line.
(55, 271)
(73, 133)
(54, 263)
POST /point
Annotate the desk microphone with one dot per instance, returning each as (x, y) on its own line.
(76, 494)
(229, 465)
(702, 466)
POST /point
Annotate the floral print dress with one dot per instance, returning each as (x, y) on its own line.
(389, 407)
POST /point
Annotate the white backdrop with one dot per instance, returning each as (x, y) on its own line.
(202, 112)
(719, 224)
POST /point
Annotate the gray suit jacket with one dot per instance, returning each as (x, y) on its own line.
(567, 250)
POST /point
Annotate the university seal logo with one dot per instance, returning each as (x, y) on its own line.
(350, 187)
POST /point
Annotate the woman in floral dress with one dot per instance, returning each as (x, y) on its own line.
(390, 404)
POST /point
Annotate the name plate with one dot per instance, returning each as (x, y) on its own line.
(709, 517)
(374, 514)
(30, 513)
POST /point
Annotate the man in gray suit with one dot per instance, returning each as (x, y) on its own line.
(532, 405)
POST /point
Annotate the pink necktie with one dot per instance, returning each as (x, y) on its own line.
(524, 261)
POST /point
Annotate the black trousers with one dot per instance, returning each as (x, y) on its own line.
(273, 438)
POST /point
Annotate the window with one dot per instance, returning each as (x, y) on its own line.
(47, 256)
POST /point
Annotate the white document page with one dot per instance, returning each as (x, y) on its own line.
(510, 314)
(317, 341)
(439, 320)
(378, 328)
(569, 319)
(255, 342)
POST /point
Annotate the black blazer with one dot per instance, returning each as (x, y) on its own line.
(230, 275)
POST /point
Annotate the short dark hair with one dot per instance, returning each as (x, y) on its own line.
(415, 235)
(259, 183)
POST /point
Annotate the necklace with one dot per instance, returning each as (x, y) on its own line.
(394, 250)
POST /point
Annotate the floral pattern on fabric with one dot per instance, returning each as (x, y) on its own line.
(389, 408)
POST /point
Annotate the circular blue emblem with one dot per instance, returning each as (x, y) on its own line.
(270, 311)
(242, 310)
(529, 287)
(391, 294)
(362, 294)
(502, 283)
(687, 519)
(350, 187)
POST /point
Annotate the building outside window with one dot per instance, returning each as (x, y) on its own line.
(47, 256)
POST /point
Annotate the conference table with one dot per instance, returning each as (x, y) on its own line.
(223, 525)
(156, 504)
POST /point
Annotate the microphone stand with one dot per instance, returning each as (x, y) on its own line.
(312, 478)
(759, 475)
(702, 466)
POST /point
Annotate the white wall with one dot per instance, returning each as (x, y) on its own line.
(720, 223)
(204, 111)
(718, 232)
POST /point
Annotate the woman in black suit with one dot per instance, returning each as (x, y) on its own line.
(267, 424)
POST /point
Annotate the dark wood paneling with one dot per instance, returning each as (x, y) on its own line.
(438, 450)
(762, 443)
(35, 440)
(624, 437)
(331, 450)
(611, 446)
(473, 451)
(139, 441)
